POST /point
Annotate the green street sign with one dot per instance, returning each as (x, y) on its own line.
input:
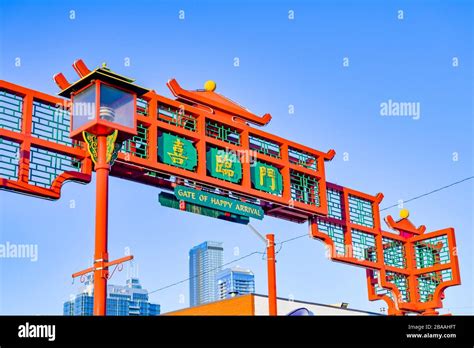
(224, 165)
(266, 177)
(214, 201)
(169, 200)
(177, 151)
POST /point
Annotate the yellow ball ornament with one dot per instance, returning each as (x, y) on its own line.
(404, 213)
(210, 86)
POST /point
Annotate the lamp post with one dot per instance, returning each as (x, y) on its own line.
(103, 114)
(269, 241)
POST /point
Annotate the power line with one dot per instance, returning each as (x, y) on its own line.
(202, 273)
(429, 193)
(306, 234)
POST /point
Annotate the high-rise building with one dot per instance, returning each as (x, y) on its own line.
(122, 300)
(234, 281)
(205, 260)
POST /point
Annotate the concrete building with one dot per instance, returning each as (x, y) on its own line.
(254, 304)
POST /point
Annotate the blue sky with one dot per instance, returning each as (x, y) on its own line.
(282, 62)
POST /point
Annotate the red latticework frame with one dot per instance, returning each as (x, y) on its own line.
(409, 270)
(44, 157)
(145, 167)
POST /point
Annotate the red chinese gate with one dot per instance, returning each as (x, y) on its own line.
(206, 141)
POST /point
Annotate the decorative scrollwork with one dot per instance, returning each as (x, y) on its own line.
(112, 147)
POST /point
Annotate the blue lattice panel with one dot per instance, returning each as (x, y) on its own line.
(336, 233)
(360, 211)
(51, 123)
(46, 166)
(334, 204)
(394, 253)
(432, 251)
(9, 156)
(363, 246)
(358, 240)
(401, 282)
(11, 107)
(428, 282)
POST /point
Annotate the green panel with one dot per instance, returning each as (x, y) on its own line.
(264, 146)
(222, 132)
(177, 151)
(218, 202)
(169, 200)
(304, 188)
(266, 177)
(302, 159)
(223, 165)
(9, 155)
(176, 117)
(137, 145)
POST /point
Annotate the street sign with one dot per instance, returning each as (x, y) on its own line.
(218, 202)
(169, 200)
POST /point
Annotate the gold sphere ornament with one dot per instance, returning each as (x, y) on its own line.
(404, 213)
(210, 86)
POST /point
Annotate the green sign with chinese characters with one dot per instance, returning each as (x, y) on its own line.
(177, 151)
(224, 165)
(211, 200)
(266, 178)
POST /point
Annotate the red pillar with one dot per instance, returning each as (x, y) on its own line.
(271, 270)
(101, 256)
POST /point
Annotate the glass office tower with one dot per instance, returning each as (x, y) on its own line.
(128, 300)
(205, 260)
(234, 282)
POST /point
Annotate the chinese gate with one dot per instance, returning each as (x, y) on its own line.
(204, 142)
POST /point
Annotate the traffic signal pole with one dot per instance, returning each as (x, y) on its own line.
(269, 241)
(101, 256)
(271, 271)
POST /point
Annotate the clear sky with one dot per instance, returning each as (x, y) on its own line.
(282, 62)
